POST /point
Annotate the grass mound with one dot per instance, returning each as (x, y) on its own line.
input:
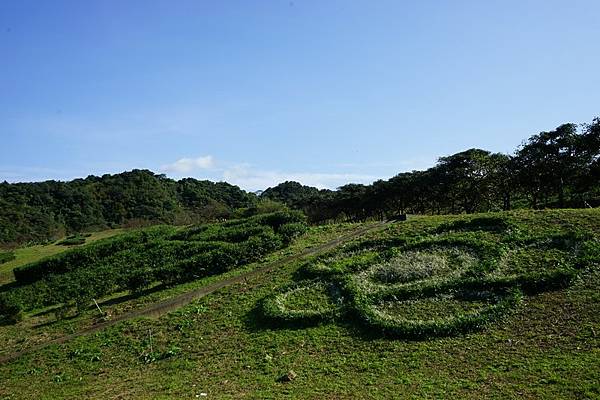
(417, 265)
(305, 302)
(440, 315)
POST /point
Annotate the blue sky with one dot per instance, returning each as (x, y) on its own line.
(258, 92)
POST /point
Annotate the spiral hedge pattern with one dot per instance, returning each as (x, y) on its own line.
(442, 285)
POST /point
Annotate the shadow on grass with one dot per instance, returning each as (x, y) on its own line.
(8, 286)
(54, 321)
(105, 303)
(256, 322)
(130, 296)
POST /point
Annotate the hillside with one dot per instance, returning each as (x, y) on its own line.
(553, 169)
(489, 305)
(40, 211)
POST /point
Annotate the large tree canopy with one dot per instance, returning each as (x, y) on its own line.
(44, 210)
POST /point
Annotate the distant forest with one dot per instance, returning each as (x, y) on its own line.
(36, 212)
(555, 169)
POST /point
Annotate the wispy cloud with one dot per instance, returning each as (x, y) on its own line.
(250, 178)
(187, 165)
(406, 164)
(34, 174)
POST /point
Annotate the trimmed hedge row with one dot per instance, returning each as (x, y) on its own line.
(138, 260)
(86, 255)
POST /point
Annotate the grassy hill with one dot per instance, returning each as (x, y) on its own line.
(497, 305)
(29, 254)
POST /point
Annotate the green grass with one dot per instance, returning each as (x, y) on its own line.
(430, 308)
(547, 347)
(303, 303)
(26, 255)
(416, 266)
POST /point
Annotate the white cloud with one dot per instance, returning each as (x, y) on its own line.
(35, 174)
(186, 165)
(410, 164)
(254, 179)
(251, 178)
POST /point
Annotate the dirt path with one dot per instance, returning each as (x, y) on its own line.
(160, 308)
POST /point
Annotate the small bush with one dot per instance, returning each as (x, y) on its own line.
(291, 231)
(139, 280)
(73, 240)
(11, 310)
(6, 256)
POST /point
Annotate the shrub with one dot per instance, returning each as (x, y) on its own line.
(279, 218)
(6, 256)
(11, 310)
(139, 280)
(291, 231)
(87, 255)
(71, 241)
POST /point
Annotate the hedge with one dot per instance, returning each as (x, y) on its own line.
(137, 260)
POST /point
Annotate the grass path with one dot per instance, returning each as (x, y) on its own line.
(162, 307)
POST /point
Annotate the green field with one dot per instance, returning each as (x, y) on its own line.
(384, 316)
(26, 255)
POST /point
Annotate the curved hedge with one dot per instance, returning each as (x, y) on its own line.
(320, 302)
(365, 307)
(333, 266)
(475, 278)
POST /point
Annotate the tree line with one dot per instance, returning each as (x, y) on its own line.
(41, 211)
(554, 169)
